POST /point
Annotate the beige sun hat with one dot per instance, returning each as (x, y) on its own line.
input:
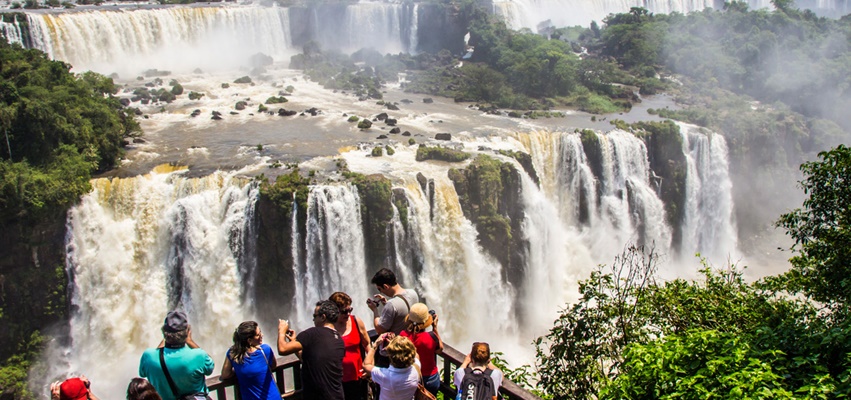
(419, 315)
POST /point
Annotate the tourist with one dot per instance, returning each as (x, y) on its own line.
(141, 389)
(252, 361)
(475, 367)
(177, 366)
(353, 331)
(72, 389)
(400, 380)
(321, 351)
(428, 344)
(396, 299)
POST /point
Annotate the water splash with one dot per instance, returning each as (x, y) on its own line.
(138, 247)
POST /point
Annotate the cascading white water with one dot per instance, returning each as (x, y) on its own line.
(174, 38)
(140, 246)
(335, 257)
(12, 31)
(708, 226)
(559, 13)
(376, 25)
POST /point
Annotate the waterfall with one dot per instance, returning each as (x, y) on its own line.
(138, 247)
(559, 13)
(335, 257)
(12, 31)
(130, 41)
(612, 203)
(709, 226)
(381, 26)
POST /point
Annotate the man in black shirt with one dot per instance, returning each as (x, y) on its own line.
(321, 351)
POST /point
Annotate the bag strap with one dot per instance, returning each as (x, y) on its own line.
(167, 375)
(267, 360)
(406, 302)
(420, 373)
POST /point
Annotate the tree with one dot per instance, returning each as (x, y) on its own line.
(822, 230)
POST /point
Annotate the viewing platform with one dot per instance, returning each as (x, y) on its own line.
(288, 377)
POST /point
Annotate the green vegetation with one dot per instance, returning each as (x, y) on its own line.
(244, 79)
(440, 153)
(377, 151)
(285, 188)
(59, 127)
(364, 124)
(276, 100)
(353, 118)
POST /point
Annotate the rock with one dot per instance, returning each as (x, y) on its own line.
(405, 101)
(260, 60)
(382, 137)
(225, 85)
(395, 130)
(216, 117)
(406, 133)
(244, 79)
(428, 100)
(240, 105)
(195, 113)
(443, 136)
(139, 140)
(381, 117)
(312, 111)
(390, 121)
(234, 113)
(364, 124)
(391, 106)
(124, 102)
(286, 113)
(216, 114)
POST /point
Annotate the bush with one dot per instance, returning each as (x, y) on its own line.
(276, 100)
(440, 153)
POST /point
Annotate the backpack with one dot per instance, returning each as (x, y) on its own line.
(477, 385)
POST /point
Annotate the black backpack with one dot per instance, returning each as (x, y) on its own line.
(477, 385)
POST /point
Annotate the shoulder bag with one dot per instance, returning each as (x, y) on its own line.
(192, 396)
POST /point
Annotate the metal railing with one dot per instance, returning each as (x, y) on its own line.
(288, 378)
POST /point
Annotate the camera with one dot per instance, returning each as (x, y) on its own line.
(432, 313)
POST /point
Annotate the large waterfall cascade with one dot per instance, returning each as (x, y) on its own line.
(139, 246)
(130, 41)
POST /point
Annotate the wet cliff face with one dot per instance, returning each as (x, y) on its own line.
(489, 193)
(33, 283)
(668, 163)
(376, 211)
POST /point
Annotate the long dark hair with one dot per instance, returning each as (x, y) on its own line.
(141, 389)
(243, 332)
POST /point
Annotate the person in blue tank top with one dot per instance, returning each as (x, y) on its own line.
(252, 361)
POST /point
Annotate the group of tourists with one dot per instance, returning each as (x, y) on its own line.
(338, 359)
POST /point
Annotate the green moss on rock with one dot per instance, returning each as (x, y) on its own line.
(441, 153)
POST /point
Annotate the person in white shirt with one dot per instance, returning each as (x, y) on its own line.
(399, 381)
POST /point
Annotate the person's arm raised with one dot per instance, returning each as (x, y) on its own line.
(286, 339)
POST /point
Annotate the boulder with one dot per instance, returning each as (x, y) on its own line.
(391, 106)
(382, 137)
(124, 102)
(240, 105)
(381, 117)
(390, 121)
(395, 130)
(428, 100)
(406, 133)
(443, 136)
(286, 113)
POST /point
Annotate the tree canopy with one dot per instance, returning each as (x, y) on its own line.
(58, 128)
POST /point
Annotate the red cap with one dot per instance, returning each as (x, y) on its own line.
(73, 389)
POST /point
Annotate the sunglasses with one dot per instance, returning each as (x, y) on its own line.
(347, 310)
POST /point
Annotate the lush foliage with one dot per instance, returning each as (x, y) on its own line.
(58, 128)
(822, 230)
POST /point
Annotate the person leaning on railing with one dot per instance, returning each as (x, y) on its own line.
(252, 362)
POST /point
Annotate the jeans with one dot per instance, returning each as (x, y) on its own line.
(432, 383)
